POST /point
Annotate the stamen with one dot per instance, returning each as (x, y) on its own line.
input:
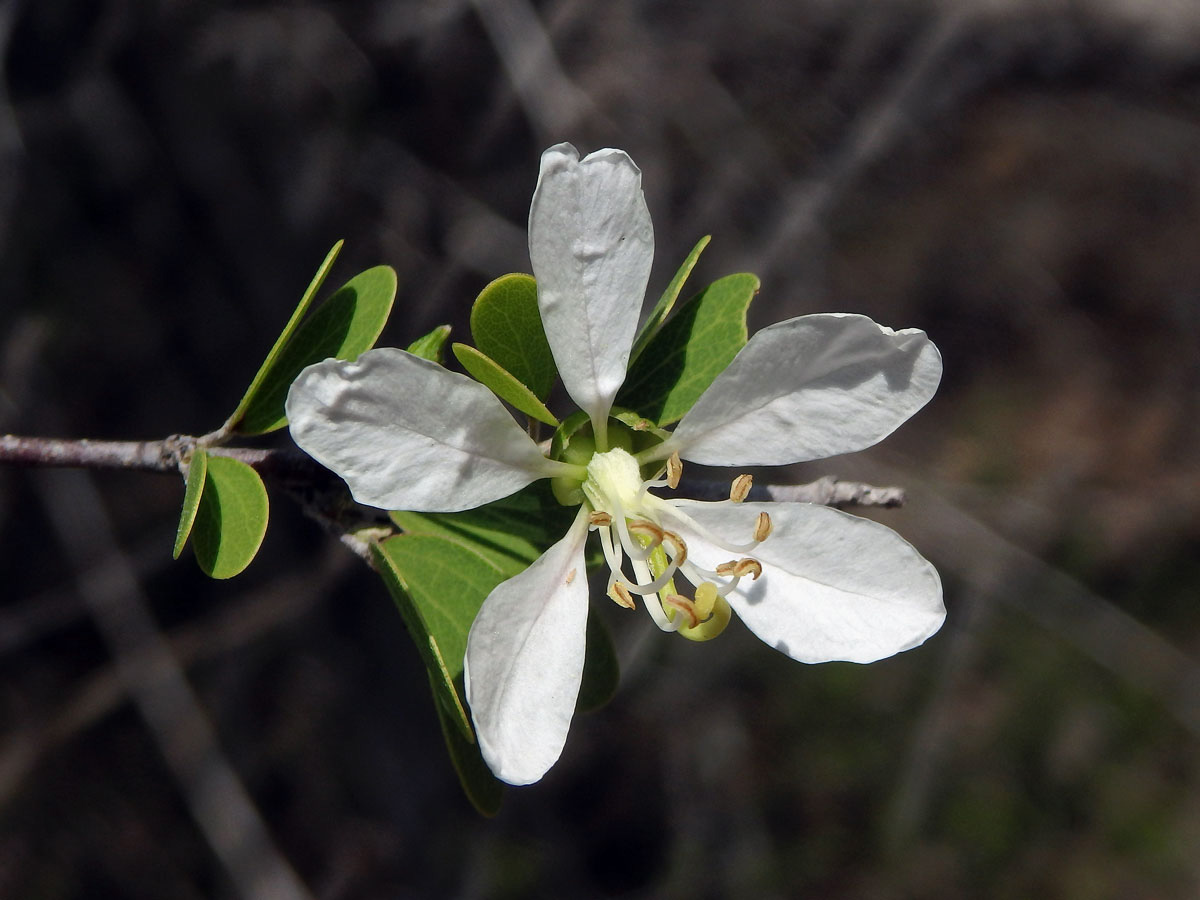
(740, 567)
(674, 470)
(680, 556)
(690, 524)
(647, 529)
(751, 567)
(599, 518)
(763, 527)
(683, 605)
(740, 489)
(653, 587)
(612, 552)
(621, 595)
(653, 606)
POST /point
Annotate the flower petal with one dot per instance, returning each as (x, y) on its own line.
(808, 388)
(833, 586)
(524, 661)
(405, 433)
(591, 244)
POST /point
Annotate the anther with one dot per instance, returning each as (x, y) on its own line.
(684, 605)
(680, 547)
(647, 529)
(599, 518)
(727, 568)
(751, 567)
(740, 489)
(621, 595)
(674, 471)
(762, 528)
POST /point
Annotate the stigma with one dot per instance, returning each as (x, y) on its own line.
(645, 533)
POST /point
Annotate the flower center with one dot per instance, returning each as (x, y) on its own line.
(642, 527)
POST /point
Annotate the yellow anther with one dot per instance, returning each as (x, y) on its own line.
(740, 489)
(683, 605)
(674, 471)
(599, 518)
(751, 567)
(621, 595)
(706, 599)
(762, 528)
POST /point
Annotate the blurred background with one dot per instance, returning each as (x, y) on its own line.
(1019, 179)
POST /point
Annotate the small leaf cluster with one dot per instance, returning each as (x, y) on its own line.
(225, 506)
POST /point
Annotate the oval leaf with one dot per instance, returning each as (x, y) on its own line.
(345, 325)
(482, 788)
(667, 300)
(288, 330)
(197, 468)
(438, 584)
(506, 326)
(231, 519)
(432, 345)
(510, 533)
(692, 349)
(501, 383)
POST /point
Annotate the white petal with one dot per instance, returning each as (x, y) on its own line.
(591, 244)
(405, 433)
(524, 661)
(833, 587)
(808, 388)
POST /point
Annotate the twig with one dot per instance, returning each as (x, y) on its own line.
(144, 456)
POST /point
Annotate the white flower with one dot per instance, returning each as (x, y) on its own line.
(813, 582)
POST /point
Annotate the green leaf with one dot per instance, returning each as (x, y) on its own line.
(507, 327)
(501, 383)
(692, 349)
(231, 519)
(438, 584)
(432, 345)
(197, 467)
(344, 326)
(511, 532)
(657, 315)
(288, 330)
(481, 787)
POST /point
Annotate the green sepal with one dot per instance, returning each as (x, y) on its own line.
(573, 442)
(482, 788)
(690, 350)
(231, 519)
(657, 315)
(506, 326)
(432, 346)
(500, 382)
(197, 468)
(345, 325)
